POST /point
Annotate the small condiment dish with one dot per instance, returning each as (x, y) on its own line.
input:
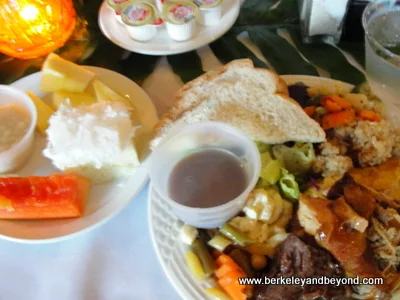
(140, 20)
(13, 158)
(117, 6)
(210, 11)
(186, 139)
(181, 19)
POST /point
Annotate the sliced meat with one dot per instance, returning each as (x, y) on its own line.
(348, 246)
(300, 260)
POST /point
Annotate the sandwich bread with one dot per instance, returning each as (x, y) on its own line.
(251, 99)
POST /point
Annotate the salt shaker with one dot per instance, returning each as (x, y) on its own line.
(322, 20)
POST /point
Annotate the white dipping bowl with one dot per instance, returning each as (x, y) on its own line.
(17, 155)
(200, 136)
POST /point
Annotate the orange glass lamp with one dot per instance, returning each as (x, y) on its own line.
(33, 28)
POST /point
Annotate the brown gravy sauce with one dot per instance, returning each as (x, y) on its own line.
(207, 178)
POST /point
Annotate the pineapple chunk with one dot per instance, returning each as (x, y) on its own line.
(105, 93)
(60, 74)
(44, 113)
(75, 99)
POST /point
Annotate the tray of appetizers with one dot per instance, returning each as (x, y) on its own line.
(166, 27)
(73, 150)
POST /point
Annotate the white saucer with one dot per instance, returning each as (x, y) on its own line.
(162, 44)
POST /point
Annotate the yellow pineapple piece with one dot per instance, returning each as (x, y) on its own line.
(44, 113)
(75, 99)
(60, 74)
(105, 93)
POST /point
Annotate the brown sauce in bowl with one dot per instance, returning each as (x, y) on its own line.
(207, 178)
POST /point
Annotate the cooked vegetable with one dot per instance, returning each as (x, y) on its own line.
(52, 197)
(194, 264)
(200, 249)
(333, 120)
(297, 159)
(289, 187)
(258, 262)
(264, 205)
(299, 93)
(285, 218)
(310, 110)
(270, 172)
(262, 147)
(260, 249)
(217, 294)
(219, 242)
(188, 234)
(276, 239)
(255, 230)
(335, 103)
(369, 115)
(235, 235)
(242, 259)
(44, 112)
(228, 274)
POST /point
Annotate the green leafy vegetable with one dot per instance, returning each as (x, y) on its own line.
(289, 187)
(297, 159)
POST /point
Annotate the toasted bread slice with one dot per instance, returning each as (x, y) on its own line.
(253, 100)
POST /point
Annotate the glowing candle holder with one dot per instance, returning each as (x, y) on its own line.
(33, 28)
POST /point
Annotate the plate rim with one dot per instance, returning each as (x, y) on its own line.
(150, 199)
(144, 167)
(153, 52)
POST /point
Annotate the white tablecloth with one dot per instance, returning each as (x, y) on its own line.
(115, 261)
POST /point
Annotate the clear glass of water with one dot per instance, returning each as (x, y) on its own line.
(381, 21)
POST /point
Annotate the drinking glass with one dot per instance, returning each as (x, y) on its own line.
(381, 22)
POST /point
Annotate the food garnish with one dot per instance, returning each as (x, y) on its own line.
(55, 196)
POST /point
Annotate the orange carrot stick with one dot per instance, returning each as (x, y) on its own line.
(369, 115)
(335, 103)
(336, 119)
(309, 110)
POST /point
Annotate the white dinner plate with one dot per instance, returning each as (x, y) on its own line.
(165, 227)
(162, 44)
(104, 200)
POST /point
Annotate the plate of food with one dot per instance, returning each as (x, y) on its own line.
(166, 27)
(325, 205)
(84, 155)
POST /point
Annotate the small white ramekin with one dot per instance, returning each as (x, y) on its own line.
(13, 158)
(205, 135)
